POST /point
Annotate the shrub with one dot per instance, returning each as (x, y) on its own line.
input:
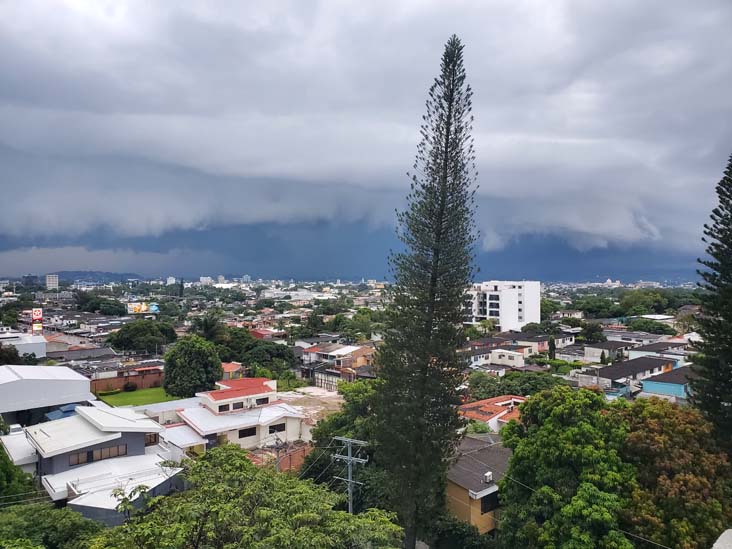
(109, 392)
(130, 386)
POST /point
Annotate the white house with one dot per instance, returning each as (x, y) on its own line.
(512, 304)
(40, 387)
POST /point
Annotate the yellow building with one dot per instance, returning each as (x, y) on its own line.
(472, 489)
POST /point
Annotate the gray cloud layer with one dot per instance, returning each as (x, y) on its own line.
(604, 122)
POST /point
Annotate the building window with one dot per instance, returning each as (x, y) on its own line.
(250, 432)
(489, 503)
(237, 406)
(111, 452)
(261, 401)
(494, 297)
(493, 313)
(78, 458)
(279, 428)
(223, 408)
(151, 439)
(494, 305)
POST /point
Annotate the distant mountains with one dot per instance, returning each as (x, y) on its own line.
(94, 276)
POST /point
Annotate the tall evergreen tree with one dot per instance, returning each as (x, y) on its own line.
(712, 385)
(416, 408)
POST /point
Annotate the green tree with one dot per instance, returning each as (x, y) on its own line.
(552, 348)
(549, 307)
(592, 333)
(566, 483)
(191, 365)
(233, 503)
(416, 409)
(13, 481)
(484, 386)
(42, 525)
(143, 335)
(603, 358)
(650, 326)
(712, 384)
(208, 326)
(684, 478)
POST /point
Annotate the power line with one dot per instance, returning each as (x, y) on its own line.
(26, 501)
(302, 473)
(534, 490)
(350, 459)
(23, 494)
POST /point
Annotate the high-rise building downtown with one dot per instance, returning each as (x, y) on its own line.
(51, 282)
(512, 304)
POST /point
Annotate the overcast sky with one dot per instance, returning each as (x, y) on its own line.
(169, 137)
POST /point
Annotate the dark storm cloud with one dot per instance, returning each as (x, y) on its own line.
(601, 123)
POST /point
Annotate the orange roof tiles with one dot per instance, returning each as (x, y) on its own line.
(484, 410)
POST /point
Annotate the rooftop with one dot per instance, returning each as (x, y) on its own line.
(30, 387)
(65, 435)
(205, 422)
(475, 459)
(123, 420)
(487, 409)
(679, 376)
(609, 345)
(661, 346)
(237, 388)
(629, 368)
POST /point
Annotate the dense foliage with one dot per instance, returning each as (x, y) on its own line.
(650, 326)
(415, 409)
(13, 481)
(191, 365)
(42, 526)
(93, 302)
(566, 480)
(587, 474)
(143, 335)
(683, 497)
(712, 385)
(484, 386)
(232, 503)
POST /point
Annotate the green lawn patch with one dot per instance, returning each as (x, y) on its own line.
(138, 398)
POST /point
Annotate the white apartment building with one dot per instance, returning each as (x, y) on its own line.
(512, 304)
(51, 282)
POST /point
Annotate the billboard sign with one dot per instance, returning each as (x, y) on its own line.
(142, 308)
(37, 320)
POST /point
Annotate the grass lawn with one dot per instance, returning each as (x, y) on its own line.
(137, 398)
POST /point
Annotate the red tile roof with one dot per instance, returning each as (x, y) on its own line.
(230, 367)
(484, 410)
(236, 388)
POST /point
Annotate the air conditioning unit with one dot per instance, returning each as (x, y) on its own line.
(488, 477)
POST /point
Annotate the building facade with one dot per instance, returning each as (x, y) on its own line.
(51, 282)
(512, 304)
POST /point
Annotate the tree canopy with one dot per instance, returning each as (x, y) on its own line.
(191, 365)
(143, 335)
(650, 326)
(42, 526)
(233, 503)
(484, 386)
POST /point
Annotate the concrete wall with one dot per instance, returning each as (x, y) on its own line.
(462, 506)
(58, 464)
(143, 381)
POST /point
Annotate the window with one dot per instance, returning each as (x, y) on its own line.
(78, 458)
(249, 432)
(279, 428)
(261, 401)
(489, 503)
(493, 313)
(494, 305)
(151, 439)
(223, 408)
(494, 297)
(237, 406)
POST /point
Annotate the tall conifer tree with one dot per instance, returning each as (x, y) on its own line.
(712, 386)
(416, 410)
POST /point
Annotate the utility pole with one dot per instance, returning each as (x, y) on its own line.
(350, 459)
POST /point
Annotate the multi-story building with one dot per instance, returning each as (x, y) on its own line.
(512, 304)
(51, 282)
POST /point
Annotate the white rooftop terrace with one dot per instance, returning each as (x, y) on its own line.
(30, 387)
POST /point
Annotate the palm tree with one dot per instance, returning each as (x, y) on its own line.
(209, 325)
